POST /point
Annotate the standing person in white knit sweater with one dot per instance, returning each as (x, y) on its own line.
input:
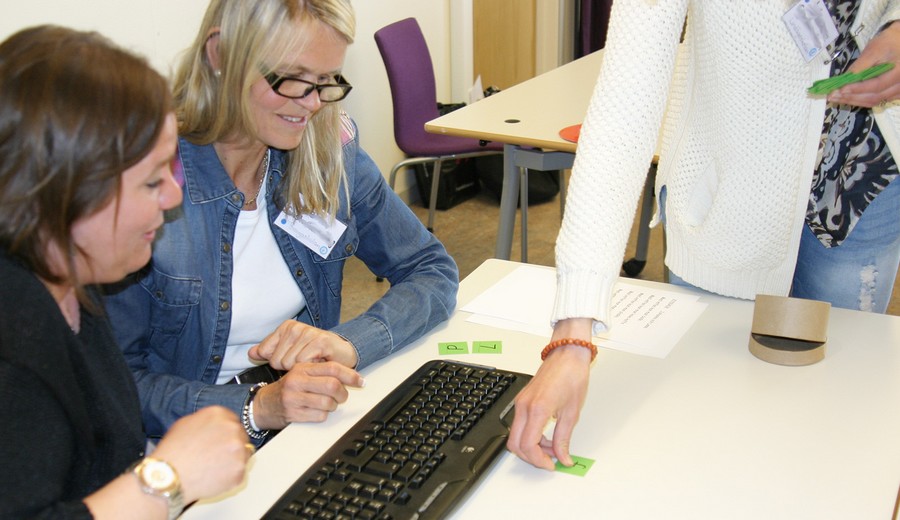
(763, 188)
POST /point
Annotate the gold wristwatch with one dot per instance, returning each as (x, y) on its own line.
(158, 478)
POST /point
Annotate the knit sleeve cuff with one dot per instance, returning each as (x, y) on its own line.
(583, 295)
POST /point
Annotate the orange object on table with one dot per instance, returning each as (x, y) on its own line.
(571, 133)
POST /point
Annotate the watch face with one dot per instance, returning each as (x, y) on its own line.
(158, 475)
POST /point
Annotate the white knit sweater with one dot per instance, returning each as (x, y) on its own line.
(737, 154)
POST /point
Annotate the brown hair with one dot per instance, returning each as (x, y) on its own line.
(76, 111)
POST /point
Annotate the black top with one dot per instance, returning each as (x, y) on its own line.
(69, 410)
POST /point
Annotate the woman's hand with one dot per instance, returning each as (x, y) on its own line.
(883, 48)
(557, 390)
(307, 393)
(295, 342)
(208, 450)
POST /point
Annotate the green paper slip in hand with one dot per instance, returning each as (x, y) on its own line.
(579, 469)
(828, 85)
(487, 347)
(453, 347)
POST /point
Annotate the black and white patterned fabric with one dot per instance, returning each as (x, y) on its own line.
(855, 164)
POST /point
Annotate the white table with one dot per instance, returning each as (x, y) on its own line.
(709, 432)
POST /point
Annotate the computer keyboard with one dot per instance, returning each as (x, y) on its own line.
(416, 454)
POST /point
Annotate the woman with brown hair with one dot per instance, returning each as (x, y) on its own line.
(86, 144)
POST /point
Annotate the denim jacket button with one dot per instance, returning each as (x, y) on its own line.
(217, 359)
(226, 247)
(348, 248)
(299, 273)
(236, 198)
(224, 306)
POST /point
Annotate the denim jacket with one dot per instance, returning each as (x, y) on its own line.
(172, 319)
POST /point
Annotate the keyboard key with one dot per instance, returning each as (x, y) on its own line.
(353, 487)
(355, 448)
(381, 470)
(417, 481)
(317, 479)
(407, 472)
(358, 462)
(369, 491)
(386, 495)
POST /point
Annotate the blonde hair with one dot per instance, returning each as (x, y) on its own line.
(211, 108)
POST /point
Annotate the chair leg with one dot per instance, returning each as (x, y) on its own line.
(393, 177)
(435, 184)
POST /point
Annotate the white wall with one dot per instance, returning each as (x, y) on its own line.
(158, 30)
(370, 101)
(161, 29)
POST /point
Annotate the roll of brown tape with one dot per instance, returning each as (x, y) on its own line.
(789, 331)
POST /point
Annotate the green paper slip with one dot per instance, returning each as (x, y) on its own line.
(828, 85)
(579, 469)
(453, 347)
(487, 347)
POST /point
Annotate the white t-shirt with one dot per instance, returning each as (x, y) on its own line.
(263, 291)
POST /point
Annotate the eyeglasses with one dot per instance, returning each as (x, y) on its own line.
(296, 88)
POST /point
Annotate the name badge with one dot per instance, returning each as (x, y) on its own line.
(313, 231)
(811, 27)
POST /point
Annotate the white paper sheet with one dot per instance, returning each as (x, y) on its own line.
(645, 321)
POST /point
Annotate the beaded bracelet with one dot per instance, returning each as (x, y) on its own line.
(245, 414)
(569, 341)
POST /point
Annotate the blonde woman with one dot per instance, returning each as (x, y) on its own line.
(245, 282)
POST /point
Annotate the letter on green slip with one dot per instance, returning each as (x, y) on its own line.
(487, 347)
(580, 468)
(453, 347)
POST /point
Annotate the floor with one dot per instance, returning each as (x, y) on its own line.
(469, 231)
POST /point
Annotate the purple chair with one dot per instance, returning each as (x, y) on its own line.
(411, 76)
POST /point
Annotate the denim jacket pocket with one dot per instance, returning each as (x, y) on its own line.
(173, 298)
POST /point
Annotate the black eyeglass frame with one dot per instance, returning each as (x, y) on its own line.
(275, 81)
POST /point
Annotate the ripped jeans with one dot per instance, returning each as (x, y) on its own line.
(859, 274)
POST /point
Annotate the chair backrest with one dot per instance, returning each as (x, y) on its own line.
(411, 77)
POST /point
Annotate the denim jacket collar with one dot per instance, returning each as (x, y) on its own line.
(205, 178)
